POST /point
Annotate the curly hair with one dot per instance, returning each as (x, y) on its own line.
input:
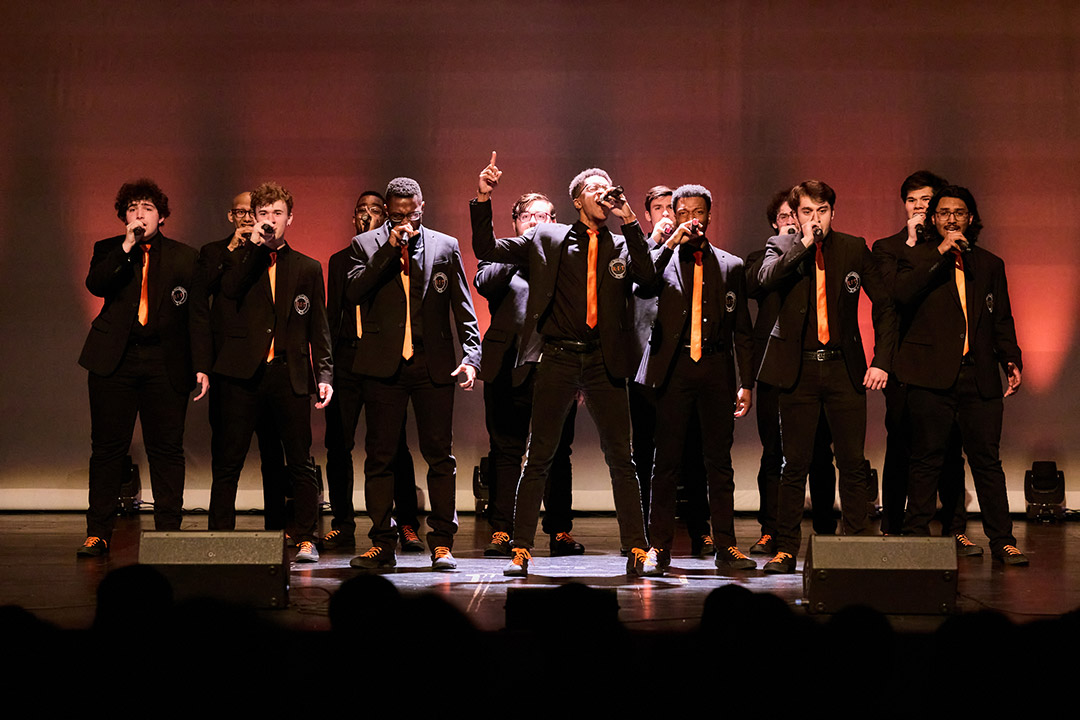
(141, 189)
(269, 193)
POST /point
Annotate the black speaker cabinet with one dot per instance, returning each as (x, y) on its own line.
(248, 568)
(894, 575)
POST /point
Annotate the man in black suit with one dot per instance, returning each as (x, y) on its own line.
(578, 327)
(661, 216)
(508, 398)
(275, 355)
(702, 327)
(916, 192)
(961, 331)
(138, 355)
(210, 311)
(344, 412)
(815, 356)
(409, 282)
(822, 475)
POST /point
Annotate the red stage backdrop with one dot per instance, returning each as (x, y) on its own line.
(746, 97)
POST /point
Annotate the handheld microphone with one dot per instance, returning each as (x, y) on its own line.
(246, 235)
(789, 230)
(267, 229)
(920, 233)
(817, 233)
(612, 195)
(138, 231)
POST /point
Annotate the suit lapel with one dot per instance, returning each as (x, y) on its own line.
(428, 253)
(157, 275)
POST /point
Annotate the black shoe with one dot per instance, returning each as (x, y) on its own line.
(563, 544)
(499, 546)
(782, 562)
(1010, 555)
(656, 563)
(519, 566)
(702, 546)
(764, 546)
(966, 548)
(93, 547)
(635, 562)
(374, 559)
(410, 541)
(306, 552)
(442, 559)
(733, 559)
(335, 539)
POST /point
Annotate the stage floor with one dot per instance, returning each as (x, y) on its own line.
(39, 571)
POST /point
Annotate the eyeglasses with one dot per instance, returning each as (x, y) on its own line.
(243, 212)
(699, 213)
(369, 210)
(398, 218)
(781, 217)
(958, 214)
(595, 187)
(540, 217)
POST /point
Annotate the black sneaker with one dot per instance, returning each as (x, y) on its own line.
(702, 546)
(93, 547)
(519, 566)
(966, 548)
(499, 546)
(306, 552)
(336, 539)
(733, 559)
(764, 546)
(656, 563)
(374, 559)
(410, 541)
(442, 559)
(635, 562)
(563, 544)
(782, 562)
(1010, 555)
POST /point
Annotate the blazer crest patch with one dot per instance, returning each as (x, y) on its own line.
(179, 295)
(729, 301)
(440, 282)
(617, 268)
(852, 281)
(990, 302)
(301, 304)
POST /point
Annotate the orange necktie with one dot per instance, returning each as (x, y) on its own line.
(359, 326)
(822, 303)
(272, 271)
(961, 287)
(695, 308)
(590, 280)
(144, 298)
(406, 345)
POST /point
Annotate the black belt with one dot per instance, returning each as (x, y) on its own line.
(574, 345)
(711, 349)
(823, 355)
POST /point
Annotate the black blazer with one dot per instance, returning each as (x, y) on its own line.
(375, 285)
(788, 269)
(208, 320)
(768, 308)
(296, 321)
(337, 279)
(506, 288)
(116, 276)
(622, 262)
(887, 252)
(932, 349)
(673, 309)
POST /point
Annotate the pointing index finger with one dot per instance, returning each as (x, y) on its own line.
(492, 163)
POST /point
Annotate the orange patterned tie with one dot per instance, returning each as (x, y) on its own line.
(961, 287)
(144, 297)
(406, 345)
(695, 309)
(822, 303)
(590, 280)
(272, 272)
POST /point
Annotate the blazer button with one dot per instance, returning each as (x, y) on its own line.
(268, 331)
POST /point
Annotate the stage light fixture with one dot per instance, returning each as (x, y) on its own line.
(1044, 491)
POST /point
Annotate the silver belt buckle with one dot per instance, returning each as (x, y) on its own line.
(820, 355)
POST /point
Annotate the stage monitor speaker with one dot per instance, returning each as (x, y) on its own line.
(248, 568)
(894, 575)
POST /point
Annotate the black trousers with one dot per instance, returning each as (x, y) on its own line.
(277, 485)
(822, 477)
(933, 414)
(701, 391)
(560, 376)
(507, 412)
(695, 510)
(822, 386)
(342, 417)
(268, 394)
(894, 475)
(386, 401)
(139, 387)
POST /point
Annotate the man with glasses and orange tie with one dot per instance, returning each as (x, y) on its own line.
(702, 328)
(138, 355)
(408, 281)
(579, 329)
(343, 414)
(815, 356)
(961, 332)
